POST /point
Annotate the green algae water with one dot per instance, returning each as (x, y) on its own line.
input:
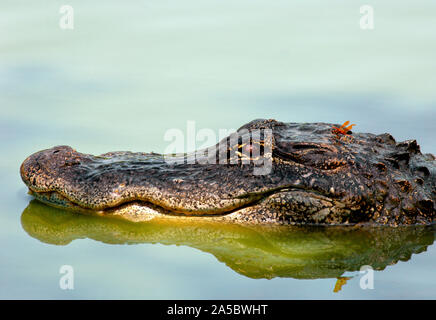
(127, 73)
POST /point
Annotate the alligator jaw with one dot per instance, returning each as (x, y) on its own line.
(137, 210)
(141, 207)
(137, 207)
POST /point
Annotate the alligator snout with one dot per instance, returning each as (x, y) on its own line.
(113, 179)
(41, 170)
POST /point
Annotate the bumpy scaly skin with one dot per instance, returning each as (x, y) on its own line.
(316, 178)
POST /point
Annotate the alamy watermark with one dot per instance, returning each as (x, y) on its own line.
(66, 21)
(243, 147)
(66, 282)
(367, 279)
(367, 19)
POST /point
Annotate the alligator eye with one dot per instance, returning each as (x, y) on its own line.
(245, 152)
(252, 150)
(249, 151)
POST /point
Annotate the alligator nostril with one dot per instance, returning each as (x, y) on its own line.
(56, 151)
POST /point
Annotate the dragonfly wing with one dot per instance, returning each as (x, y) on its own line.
(345, 124)
(349, 127)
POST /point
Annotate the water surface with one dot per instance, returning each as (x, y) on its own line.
(129, 72)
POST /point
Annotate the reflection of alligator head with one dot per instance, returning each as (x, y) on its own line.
(315, 177)
(255, 251)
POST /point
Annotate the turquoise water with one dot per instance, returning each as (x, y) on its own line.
(129, 72)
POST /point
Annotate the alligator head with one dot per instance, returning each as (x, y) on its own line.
(272, 172)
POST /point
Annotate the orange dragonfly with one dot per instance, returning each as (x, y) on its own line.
(344, 129)
(340, 282)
